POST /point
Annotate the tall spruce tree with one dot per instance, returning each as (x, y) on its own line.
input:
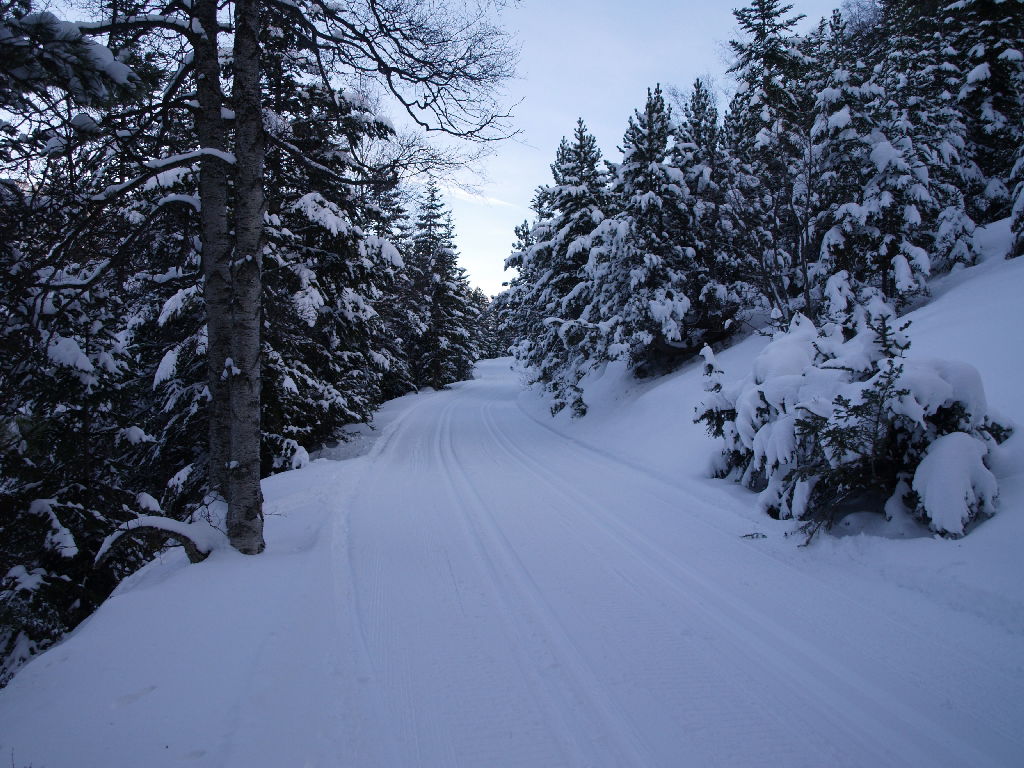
(713, 280)
(447, 348)
(763, 130)
(510, 308)
(576, 203)
(986, 37)
(642, 254)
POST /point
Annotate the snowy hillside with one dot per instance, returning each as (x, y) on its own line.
(491, 587)
(642, 423)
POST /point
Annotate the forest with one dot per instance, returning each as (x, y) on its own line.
(219, 249)
(209, 269)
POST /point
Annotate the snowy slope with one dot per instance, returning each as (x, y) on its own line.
(488, 587)
(977, 316)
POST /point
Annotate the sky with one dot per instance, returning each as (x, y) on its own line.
(593, 59)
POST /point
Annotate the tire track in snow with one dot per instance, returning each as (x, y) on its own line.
(801, 667)
(601, 737)
(369, 705)
(448, 690)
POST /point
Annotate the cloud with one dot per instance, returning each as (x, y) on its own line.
(472, 197)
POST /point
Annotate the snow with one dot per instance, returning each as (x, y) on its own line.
(148, 503)
(180, 478)
(979, 73)
(187, 157)
(26, 580)
(175, 304)
(840, 119)
(323, 212)
(167, 367)
(59, 538)
(205, 537)
(932, 384)
(487, 586)
(883, 154)
(952, 481)
(136, 435)
(65, 351)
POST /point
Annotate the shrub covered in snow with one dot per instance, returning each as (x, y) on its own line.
(822, 419)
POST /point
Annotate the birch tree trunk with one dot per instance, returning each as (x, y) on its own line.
(245, 499)
(216, 240)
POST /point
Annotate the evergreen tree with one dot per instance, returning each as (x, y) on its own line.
(642, 254)
(898, 143)
(510, 309)
(1017, 222)
(446, 350)
(986, 36)
(559, 293)
(765, 131)
(713, 281)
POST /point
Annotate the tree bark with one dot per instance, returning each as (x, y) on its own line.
(215, 237)
(245, 499)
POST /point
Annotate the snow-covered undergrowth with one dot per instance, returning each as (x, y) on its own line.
(975, 320)
(821, 420)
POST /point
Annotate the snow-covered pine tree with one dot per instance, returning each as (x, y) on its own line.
(641, 255)
(575, 203)
(765, 130)
(395, 304)
(324, 342)
(842, 128)
(510, 310)
(712, 282)
(424, 243)
(485, 332)
(824, 421)
(988, 39)
(69, 439)
(1017, 221)
(892, 148)
(446, 350)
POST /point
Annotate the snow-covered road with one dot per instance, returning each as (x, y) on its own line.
(483, 591)
(524, 600)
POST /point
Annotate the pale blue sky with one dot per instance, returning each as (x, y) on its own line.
(593, 59)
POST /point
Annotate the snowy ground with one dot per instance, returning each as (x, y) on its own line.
(489, 587)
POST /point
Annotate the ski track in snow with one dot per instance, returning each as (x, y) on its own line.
(535, 608)
(481, 590)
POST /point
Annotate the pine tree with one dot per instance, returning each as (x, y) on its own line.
(559, 292)
(511, 312)
(764, 129)
(713, 280)
(986, 36)
(70, 439)
(642, 254)
(446, 350)
(1017, 222)
(893, 153)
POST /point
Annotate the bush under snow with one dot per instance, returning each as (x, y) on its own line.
(823, 419)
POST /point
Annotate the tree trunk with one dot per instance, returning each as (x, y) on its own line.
(245, 499)
(216, 241)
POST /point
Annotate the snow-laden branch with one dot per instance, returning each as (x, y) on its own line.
(199, 538)
(158, 165)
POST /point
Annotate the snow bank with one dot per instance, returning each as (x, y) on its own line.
(953, 483)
